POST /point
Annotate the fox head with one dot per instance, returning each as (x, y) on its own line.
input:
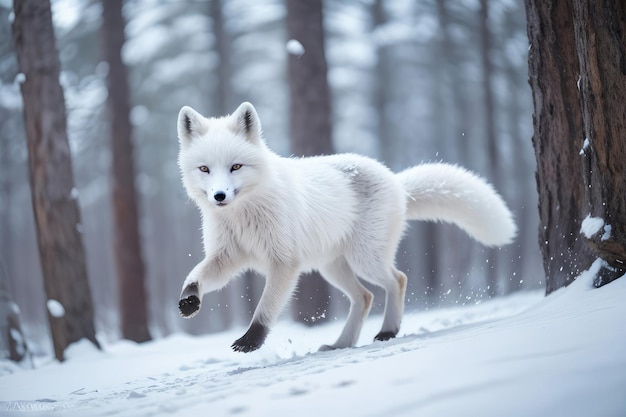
(220, 159)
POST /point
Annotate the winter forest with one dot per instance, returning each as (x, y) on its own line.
(409, 82)
(498, 87)
(97, 232)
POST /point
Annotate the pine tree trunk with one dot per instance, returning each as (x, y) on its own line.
(127, 247)
(55, 206)
(577, 71)
(310, 124)
(600, 29)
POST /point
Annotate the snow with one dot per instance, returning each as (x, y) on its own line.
(562, 355)
(55, 308)
(20, 78)
(591, 225)
(586, 144)
(294, 47)
(18, 341)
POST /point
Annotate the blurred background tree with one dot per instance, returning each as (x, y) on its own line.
(310, 129)
(126, 243)
(56, 212)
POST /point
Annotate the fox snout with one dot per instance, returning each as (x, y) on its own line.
(219, 196)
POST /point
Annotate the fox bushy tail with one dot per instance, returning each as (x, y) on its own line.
(448, 193)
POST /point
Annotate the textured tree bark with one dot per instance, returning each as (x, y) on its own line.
(54, 201)
(577, 67)
(557, 139)
(127, 248)
(309, 124)
(600, 29)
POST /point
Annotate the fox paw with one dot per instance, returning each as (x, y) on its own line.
(189, 302)
(252, 339)
(189, 306)
(385, 335)
(328, 348)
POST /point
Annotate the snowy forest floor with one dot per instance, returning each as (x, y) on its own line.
(523, 355)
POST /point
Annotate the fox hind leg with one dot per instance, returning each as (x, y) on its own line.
(339, 274)
(394, 283)
(394, 306)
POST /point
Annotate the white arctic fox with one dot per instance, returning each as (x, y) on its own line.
(340, 214)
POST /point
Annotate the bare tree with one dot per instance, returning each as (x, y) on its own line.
(127, 247)
(579, 134)
(310, 124)
(54, 201)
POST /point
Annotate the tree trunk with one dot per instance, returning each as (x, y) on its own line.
(310, 124)
(224, 95)
(55, 206)
(386, 139)
(127, 247)
(557, 140)
(600, 33)
(493, 162)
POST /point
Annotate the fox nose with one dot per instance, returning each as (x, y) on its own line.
(219, 196)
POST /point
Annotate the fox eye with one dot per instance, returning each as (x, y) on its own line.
(204, 168)
(235, 167)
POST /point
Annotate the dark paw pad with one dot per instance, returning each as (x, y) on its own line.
(252, 340)
(382, 336)
(189, 305)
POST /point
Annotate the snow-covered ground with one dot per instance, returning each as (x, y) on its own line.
(525, 355)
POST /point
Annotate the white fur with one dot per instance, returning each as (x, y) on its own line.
(341, 214)
(448, 193)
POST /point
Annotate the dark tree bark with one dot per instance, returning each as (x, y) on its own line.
(127, 247)
(600, 32)
(557, 139)
(574, 180)
(310, 123)
(55, 207)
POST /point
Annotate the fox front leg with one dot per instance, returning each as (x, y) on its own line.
(278, 288)
(189, 303)
(205, 277)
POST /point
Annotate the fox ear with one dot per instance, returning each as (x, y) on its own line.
(247, 121)
(190, 124)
